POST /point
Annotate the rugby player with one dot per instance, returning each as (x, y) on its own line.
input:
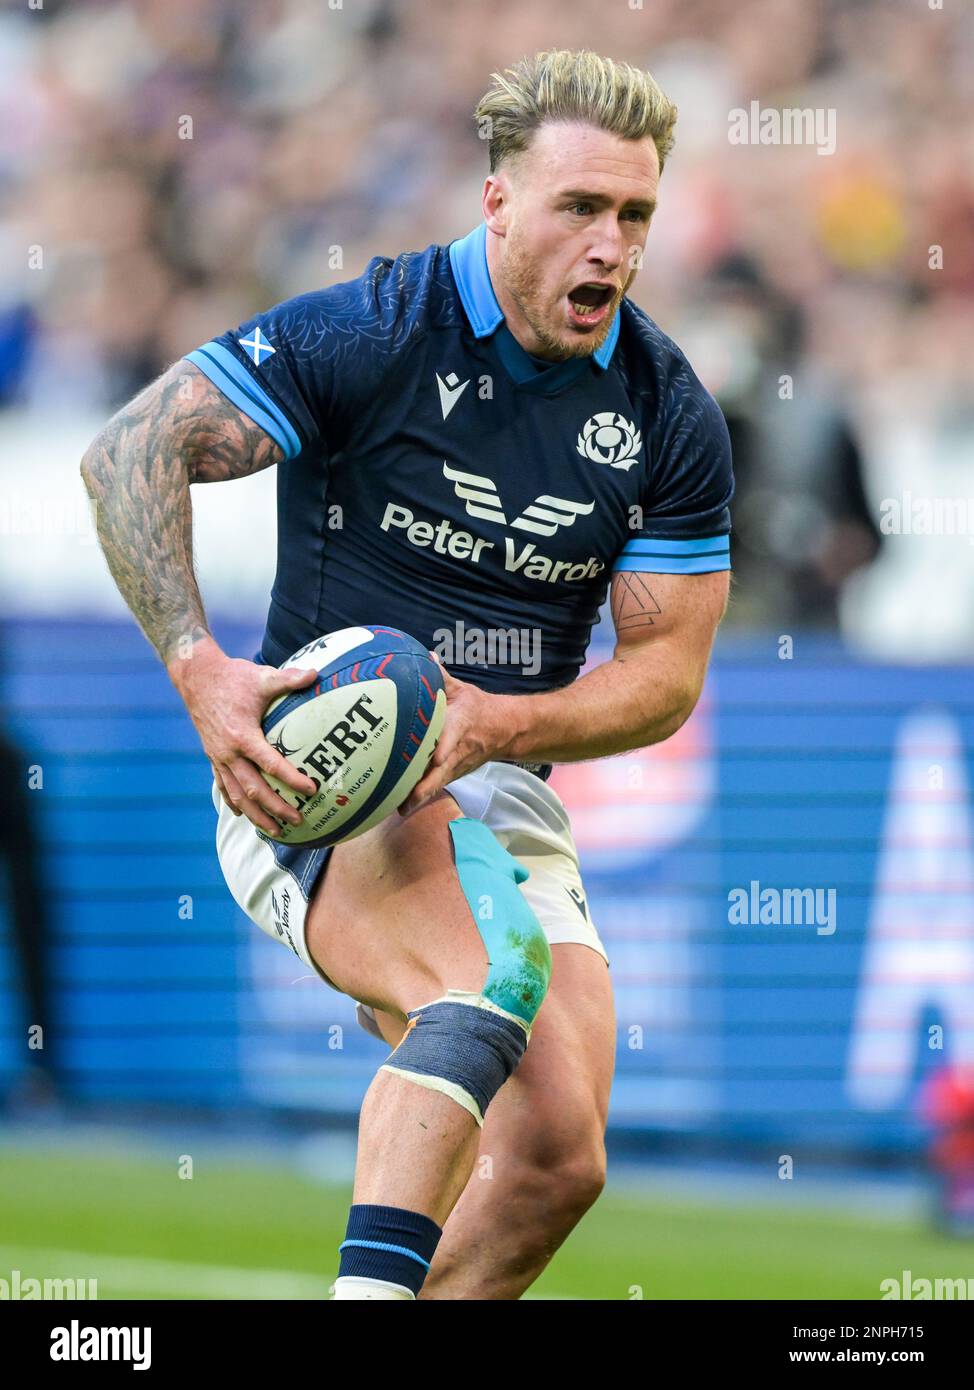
(486, 434)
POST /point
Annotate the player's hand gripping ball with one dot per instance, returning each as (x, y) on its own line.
(364, 732)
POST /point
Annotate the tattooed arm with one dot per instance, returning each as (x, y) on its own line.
(665, 625)
(138, 470)
(180, 430)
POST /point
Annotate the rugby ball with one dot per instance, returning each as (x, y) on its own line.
(364, 732)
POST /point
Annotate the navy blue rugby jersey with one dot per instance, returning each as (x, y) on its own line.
(439, 480)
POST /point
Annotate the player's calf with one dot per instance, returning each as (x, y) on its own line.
(418, 1143)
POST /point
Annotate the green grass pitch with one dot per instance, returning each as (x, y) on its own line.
(238, 1230)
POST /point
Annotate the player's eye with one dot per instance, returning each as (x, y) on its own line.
(582, 209)
(635, 215)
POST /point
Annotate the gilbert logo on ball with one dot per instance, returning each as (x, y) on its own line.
(364, 732)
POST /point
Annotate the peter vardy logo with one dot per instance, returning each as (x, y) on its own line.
(610, 438)
(450, 391)
(543, 517)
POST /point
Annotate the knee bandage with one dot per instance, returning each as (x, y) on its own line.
(466, 1045)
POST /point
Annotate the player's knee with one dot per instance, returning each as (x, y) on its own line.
(563, 1159)
(584, 1178)
(462, 1047)
(564, 1186)
(467, 1044)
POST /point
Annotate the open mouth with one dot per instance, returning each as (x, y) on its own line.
(588, 303)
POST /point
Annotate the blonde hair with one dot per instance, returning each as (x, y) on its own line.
(572, 86)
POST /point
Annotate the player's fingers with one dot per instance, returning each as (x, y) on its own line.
(291, 678)
(451, 685)
(414, 802)
(261, 803)
(406, 809)
(441, 767)
(259, 818)
(433, 780)
(270, 760)
(232, 790)
(222, 788)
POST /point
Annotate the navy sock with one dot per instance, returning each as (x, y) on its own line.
(388, 1243)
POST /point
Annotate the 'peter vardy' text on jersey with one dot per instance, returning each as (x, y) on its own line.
(437, 476)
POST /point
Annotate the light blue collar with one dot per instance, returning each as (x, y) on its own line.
(468, 260)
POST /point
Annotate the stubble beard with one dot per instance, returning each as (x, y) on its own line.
(521, 280)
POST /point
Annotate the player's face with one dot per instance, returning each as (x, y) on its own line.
(572, 214)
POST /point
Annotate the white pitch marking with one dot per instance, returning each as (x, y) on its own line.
(149, 1274)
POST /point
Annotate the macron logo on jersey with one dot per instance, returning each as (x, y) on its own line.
(450, 391)
(543, 517)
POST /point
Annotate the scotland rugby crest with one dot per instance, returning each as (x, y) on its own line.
(610, 438)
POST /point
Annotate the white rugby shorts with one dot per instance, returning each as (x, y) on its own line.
(273, 883)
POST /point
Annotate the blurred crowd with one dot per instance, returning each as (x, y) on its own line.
(168, 167)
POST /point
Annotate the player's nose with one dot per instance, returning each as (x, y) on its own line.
(607, 246)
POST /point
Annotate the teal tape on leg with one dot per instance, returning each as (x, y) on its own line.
(517, 949)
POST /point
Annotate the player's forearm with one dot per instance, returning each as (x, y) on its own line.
(640, 697)
(179, 430)
(140, 485)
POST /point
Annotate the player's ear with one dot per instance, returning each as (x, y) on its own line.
(495, 200)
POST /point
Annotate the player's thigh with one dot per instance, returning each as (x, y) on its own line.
(389, 923)
(559, 1095)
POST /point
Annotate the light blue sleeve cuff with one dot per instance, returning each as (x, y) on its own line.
(701, 555)
(232, 378)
